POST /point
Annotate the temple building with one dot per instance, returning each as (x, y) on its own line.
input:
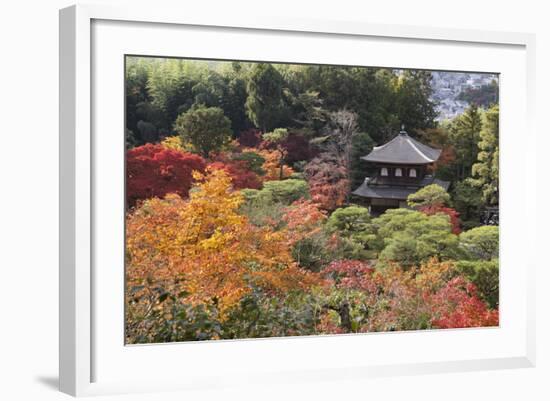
(400, 168)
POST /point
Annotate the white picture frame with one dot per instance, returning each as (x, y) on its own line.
(86, 351)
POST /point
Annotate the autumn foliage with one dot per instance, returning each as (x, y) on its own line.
(271, 165)
(243, 218)
(457, 305)
(198, 268)
(299, 148)
(154, 171)
(352, 274)
(328, 181)
(430, 296)
(204, 249)
(240, 173)
(303, 220)
(296, 147)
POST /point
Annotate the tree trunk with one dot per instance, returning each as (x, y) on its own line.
(281, 159)
(344, 313)
(345, 318)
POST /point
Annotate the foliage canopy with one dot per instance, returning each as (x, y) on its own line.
(207, 128)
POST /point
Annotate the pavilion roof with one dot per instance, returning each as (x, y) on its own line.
(400, 192)
(403, 150)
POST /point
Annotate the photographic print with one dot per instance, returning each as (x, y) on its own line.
(276, 199)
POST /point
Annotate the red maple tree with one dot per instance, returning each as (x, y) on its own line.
(154, 170)
(297, 148)
(457, 305)
(240, 173)
(328, 181)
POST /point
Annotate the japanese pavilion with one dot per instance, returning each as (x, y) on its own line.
(400, 168)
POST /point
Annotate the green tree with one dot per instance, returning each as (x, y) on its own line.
(137, 73)
(276, 95)
(486, 170)
(206, 128)
(430, 195)
(480, 242)
(410, 237)
(308, 113)
(353, 222)
(260, 314)
(375, 103)
(464, 134)
(286, 191)
(131, 139)
(234, 99)
(467, 199)
(225, 89)
(484, 274)
(261, 209)
(334, 84)
(362, 146)
(314, 252)
(382, 98)
(265, 105)
(147, 131)
(267, 206)
(413, 91)
(253, 159)
(282, 192)
(439, 138)
(170, 86)
(353, 227)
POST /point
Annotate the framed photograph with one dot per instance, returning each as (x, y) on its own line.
(286, 200)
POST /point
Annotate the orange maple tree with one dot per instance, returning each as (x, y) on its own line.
(303, 219)
(202, 248)
(272, 165)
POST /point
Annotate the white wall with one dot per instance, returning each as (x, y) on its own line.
(28, 197)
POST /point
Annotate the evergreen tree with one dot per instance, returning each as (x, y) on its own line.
(206, 128)
(415, 109)
(170, 86)
(467, 199)
(362, 146)
(137, 74)
(265, 105)
(465, 133)
(486, 170)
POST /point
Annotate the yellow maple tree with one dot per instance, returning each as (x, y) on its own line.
(175, 143)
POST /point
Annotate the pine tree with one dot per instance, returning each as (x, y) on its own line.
(465, 134)
(265, 105)
(486, 170)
